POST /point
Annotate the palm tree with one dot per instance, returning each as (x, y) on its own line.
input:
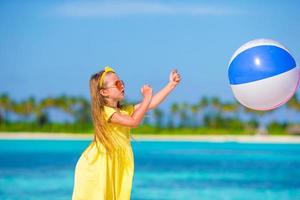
(257, 116)
(174, 112)
(5, 106)
(203, 103)
(216, 121)
(194, 109)
(83, 113)
(158, 116)
(184, 118)
(231, 107)
(69, 105)
(40, 112)
(27, 107)
(64, 103)
(216, 103)
(294, 103)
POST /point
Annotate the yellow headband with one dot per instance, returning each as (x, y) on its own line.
(101, 78)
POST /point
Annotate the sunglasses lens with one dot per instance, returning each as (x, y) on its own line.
(119, 84)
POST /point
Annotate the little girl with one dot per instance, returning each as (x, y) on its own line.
(104, 170)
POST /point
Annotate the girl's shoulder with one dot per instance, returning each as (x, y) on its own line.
(129, 108)
(109, 111)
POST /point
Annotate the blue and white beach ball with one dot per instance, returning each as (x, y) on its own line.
(263, 75)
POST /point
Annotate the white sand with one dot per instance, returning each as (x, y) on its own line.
(221, 138)
(195, 138)
(45, 136)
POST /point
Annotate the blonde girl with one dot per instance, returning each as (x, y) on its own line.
(105, 169)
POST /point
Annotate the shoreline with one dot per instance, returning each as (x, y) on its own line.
(153, 137)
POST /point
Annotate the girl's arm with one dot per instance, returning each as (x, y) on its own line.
(174, 79)
(135, 119)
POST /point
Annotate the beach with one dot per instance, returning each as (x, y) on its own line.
(155, 137)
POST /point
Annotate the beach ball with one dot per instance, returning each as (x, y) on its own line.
(263, 74)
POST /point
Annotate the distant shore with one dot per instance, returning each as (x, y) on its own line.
(153, 137)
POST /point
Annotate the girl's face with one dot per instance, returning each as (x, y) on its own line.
(113, 87)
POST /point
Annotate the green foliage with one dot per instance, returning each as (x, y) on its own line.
(233, 127)
(49, 127)
(217, 121)
(207, 116)
(277, 127)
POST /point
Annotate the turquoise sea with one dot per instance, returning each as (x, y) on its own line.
(44, 170)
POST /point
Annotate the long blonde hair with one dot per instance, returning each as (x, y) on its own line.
(101, 133)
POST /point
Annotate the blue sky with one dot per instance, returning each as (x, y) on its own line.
(48, 48)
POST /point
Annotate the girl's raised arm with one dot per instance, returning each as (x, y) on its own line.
(174, 79)
(135, 119)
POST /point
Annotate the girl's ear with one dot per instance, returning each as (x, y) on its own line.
(103, 92)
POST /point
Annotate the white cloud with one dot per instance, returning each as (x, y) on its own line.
(107, 9)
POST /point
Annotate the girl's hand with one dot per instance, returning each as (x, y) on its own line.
(146, 91)
(174, 77)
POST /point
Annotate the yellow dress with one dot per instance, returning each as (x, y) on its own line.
(101, 177)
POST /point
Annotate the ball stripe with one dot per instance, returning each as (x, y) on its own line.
(257, 42)
(266, 61)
